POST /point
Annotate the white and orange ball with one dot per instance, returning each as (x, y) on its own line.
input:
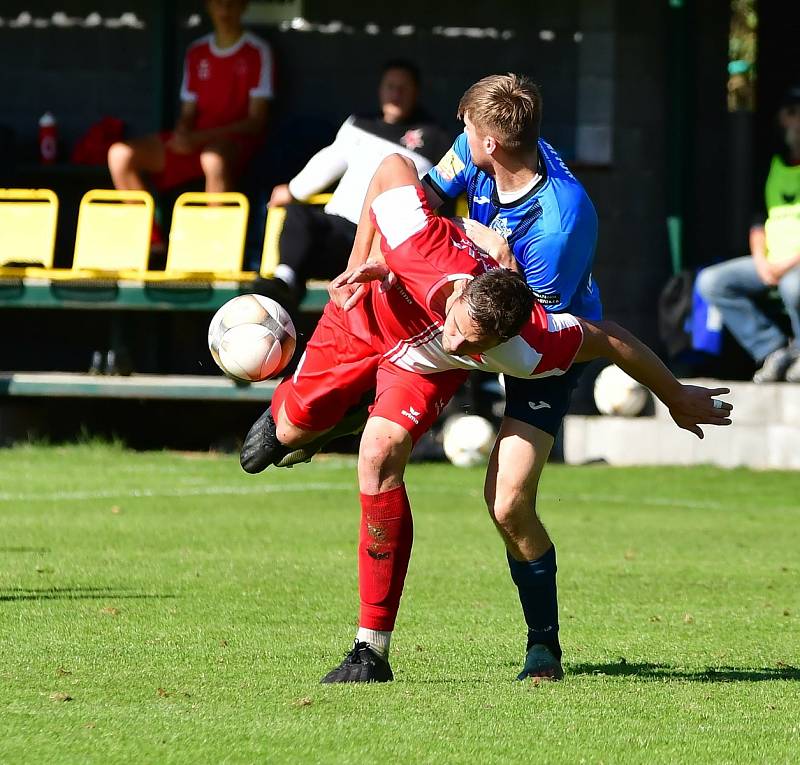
(252, 338)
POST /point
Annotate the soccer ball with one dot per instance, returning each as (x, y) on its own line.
(251, 338)
(468, 440)
(617, 393)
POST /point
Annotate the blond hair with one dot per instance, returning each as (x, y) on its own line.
(506, 106)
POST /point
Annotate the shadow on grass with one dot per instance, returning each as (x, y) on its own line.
(24, 549)
(647, 671)
(11, 594)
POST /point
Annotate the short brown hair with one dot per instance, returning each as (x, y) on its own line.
(507, 106)
(499, 302)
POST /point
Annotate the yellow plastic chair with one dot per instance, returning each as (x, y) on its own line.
(113, 231)
(270, 254)
(207, 235)
(28, 226)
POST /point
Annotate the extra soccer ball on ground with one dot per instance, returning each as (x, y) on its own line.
(468, 440)
(252, 338)
(617, 393)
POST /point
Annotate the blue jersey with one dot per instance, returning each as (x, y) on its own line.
(552, 230)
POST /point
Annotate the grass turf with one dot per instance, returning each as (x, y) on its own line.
(167, 608)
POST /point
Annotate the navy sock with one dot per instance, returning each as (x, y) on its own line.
(536, 583)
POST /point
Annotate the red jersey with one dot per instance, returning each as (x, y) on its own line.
(221, 81)
(404, 321)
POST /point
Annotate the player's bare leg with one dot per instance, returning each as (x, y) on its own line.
(383, 552)
(127, 160)
(272, 441)
(217, 160)
(512, 481)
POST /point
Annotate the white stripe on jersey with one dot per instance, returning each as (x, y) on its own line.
(419, 339)
(264, 87)
(424, 353)
(399, 214)
(558, 321)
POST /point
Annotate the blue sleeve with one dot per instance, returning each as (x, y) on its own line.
(555, 265)
(449, 177)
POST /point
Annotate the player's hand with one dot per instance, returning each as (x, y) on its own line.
(764, 271)
(695, 405)
(492, 243)
(348, 289)
(371, 271)
(281, 196)
(346, 296)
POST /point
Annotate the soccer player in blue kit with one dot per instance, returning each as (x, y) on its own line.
(530, 213)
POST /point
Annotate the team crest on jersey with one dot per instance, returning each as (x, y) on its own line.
(413, 139)
(204, 69)
(450, 165)
(500, 225)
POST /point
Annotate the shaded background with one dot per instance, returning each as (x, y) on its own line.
(634, 95)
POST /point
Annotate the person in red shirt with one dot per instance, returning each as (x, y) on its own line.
(227, 85)
(408, 325)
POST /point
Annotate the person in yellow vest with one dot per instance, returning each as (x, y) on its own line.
(774, 263)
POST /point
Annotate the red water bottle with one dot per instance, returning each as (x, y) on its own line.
(48, 139)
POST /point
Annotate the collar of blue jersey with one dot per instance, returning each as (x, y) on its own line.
(542, 170)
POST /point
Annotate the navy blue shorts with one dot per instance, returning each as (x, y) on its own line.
(542, 402)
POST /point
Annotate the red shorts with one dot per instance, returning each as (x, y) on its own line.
(338, 370)
(182, 168)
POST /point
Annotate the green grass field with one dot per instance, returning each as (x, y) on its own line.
(168, 608)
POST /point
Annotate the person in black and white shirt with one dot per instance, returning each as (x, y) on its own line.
(316, 243)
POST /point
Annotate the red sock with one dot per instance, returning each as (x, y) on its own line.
(384, 549)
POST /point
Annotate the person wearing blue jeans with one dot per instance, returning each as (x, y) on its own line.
(734, 286)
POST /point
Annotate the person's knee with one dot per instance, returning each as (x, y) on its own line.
(120, 156)
(215, 162)
(789, 288)
(508, 506)
(709, 284)
(381, 464)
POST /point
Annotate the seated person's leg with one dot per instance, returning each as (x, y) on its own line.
(128, 160)
(224, 161)
(789, 288)
(219, 161)
(312, 245)
(732, 287)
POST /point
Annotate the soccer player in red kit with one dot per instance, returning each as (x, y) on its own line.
(435, 308)
(227, 84)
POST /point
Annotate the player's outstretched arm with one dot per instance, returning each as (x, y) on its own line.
(689, 405)
(394, 171)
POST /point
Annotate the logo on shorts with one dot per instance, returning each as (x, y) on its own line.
(412, 414)
(539, 405)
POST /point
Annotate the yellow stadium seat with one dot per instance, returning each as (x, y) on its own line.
(270, 255)
(208, 234)
(113, 231)
(28, 227)
(462, 208)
